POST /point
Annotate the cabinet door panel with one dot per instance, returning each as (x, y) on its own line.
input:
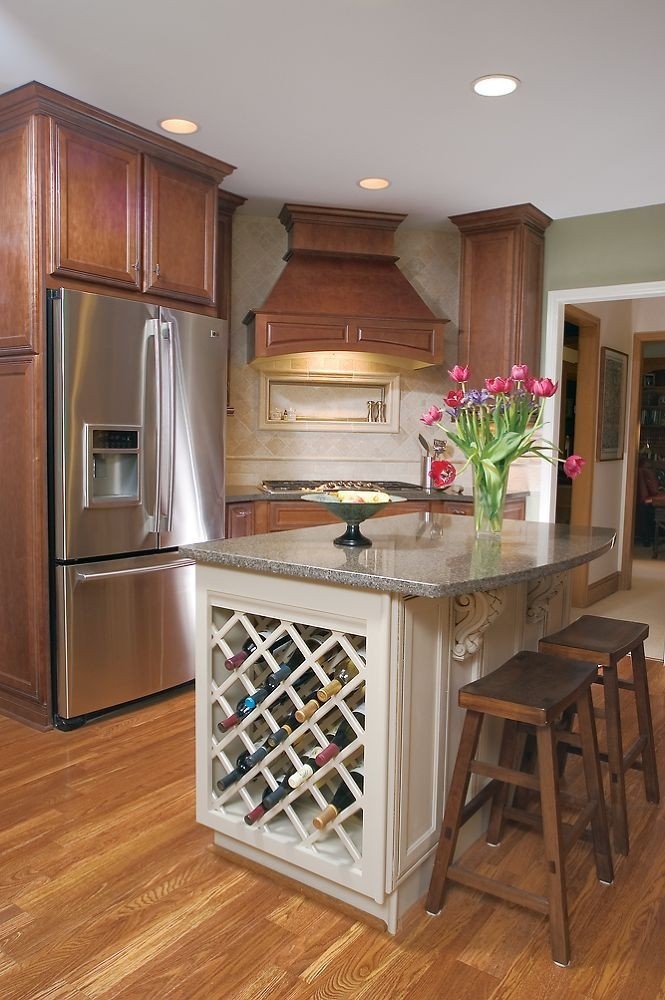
(285, 514)
(180, 225)
(17, 238)
(95, 209)
(24, 658)
(239, 520)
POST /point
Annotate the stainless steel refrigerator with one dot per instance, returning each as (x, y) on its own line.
(136, 429)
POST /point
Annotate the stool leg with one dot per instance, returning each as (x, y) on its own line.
(554, 854)
(594, 787)
(459, 787)
(615, 760)
(499, 800)
(645, 724)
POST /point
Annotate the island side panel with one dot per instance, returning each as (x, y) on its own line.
(287, 842)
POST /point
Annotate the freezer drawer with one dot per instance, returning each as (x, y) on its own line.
(125, 629)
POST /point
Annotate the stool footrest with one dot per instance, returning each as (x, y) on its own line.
(633, 752)
(511, 893)
(509, 774)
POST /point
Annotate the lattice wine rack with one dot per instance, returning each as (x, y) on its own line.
(287, 737)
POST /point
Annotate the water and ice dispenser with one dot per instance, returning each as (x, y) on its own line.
(112, 465)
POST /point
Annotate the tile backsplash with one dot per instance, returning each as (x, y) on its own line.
(430, 260)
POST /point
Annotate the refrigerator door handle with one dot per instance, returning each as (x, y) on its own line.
(168, 339)
(107, 574)
(154, 324)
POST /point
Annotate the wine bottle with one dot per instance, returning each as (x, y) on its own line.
(270, 798)
(249, 702)
(346, 672)
(244, 763)
(344, 734)
(272, 741)
(307, 710)
(304, 772)
(342, 798)
(249, 646)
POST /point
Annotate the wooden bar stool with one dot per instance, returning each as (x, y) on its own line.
(534, 690)
(604, 642)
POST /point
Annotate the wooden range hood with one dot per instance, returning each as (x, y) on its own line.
(341, 290)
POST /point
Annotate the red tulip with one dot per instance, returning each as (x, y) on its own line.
(442, 473)
(454, 398)
(573, 465)
(459, 373)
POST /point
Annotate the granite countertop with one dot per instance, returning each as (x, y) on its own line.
(428, 555)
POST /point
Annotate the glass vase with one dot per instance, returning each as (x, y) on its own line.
(489, 497)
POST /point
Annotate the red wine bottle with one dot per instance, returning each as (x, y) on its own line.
(342, 798)
(344, 735)
(249, 646)
(270, 798)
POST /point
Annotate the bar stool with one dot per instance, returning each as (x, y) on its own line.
(533, 690)
(604, 642)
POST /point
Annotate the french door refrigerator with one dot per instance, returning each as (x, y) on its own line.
(136, 433)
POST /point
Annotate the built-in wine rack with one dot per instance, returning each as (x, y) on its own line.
(298, 693)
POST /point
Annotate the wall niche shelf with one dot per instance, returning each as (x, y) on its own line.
(351, 401)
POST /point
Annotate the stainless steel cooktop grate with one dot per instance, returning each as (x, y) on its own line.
(304, 485)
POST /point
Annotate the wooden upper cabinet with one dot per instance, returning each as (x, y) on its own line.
(96, 215)
(18, 240)
(501, 279)
(123, 216)
(180, 232)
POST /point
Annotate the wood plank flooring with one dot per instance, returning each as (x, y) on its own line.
(109, 890)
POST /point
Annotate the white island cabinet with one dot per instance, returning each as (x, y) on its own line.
(376, 643)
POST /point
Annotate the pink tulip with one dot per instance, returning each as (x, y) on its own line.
(442, 473)
(573, 466)
(459, 373)
(542, 386)
(499, 384)
(432, 416)
(519, 372)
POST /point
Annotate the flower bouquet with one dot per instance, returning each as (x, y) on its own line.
(492, 427)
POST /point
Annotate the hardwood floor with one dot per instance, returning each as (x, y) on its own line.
(110, 890)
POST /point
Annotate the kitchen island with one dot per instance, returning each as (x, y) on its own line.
(376, 644)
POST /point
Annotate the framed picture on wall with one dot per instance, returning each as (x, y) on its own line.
(611, 405)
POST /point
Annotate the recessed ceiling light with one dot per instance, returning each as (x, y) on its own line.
(181, 126)
(374, 183)
(496, 85)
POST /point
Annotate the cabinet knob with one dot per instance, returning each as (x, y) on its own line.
(136, 265)
(157, 270)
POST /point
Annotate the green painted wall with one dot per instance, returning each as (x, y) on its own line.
(611, 248)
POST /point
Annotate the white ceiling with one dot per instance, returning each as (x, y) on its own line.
(305, 97)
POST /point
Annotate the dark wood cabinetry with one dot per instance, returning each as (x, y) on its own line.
(89, 201)
(120, 217)
(253, 517)
(501, 281)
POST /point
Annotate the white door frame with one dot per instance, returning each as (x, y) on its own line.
(551, 358)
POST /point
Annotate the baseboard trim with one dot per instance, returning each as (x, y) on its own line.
(602, 588)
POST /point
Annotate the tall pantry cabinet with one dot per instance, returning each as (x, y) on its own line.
(87, 201)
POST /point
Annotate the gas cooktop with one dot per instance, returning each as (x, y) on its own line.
(327, 486)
